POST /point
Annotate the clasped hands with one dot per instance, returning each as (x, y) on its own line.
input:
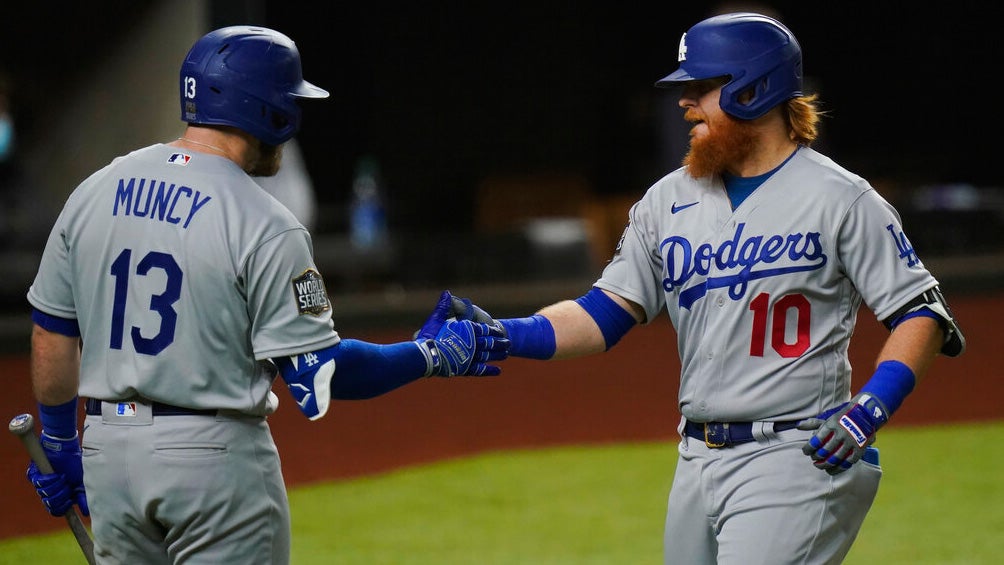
(461, 339)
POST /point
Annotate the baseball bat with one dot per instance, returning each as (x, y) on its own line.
(23, 426)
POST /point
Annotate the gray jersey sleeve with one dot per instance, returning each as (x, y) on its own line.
(53, 292)
(878, 257)
(286, 298)
(635, 270)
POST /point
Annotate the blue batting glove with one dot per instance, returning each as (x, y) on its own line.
(464, 309)
(52, 488)
(64, 456)
(440, 314)
(65, 485)
(844, 433)
(465, 348)
(451, 308)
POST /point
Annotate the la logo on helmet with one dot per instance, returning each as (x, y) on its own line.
(683, 48)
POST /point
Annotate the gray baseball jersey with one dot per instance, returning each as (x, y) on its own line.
(183, 275)
(764, 299)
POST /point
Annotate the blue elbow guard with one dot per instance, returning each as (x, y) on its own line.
(613, 320)
(932, 303)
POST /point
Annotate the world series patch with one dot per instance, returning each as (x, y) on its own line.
(310, 294)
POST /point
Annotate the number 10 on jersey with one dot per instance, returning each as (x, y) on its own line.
(773, 320)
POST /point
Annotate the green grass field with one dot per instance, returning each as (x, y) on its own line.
(941, 502)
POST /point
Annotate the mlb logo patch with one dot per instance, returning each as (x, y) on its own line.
(179, 159)
(125, 409)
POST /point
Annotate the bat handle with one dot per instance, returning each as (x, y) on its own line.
(23, 426)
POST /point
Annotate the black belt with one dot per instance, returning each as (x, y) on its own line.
(93, 408)
(725, 434)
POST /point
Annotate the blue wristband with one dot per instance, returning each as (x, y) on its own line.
(59, 421)
(531, 337)
(891, 384)
(613, 320)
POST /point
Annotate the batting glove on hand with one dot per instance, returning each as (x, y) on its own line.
(463, 347)
(451, 308)
(464, 309)
(63, 487)
(843, 433)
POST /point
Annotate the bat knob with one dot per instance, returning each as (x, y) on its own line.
(21, 424)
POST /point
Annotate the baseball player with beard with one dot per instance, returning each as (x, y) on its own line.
(761, 250)
(170, 293)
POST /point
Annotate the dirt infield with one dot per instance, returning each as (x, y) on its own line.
(627, 394)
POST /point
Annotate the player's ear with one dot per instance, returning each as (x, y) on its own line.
(746, 96)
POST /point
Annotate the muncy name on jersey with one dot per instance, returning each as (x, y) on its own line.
(148, 198)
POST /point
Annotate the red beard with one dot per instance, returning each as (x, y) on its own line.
(729, 141)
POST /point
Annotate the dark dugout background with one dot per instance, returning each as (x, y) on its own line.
(553, 105)
(447, 94)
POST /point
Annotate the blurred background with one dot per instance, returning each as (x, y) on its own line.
(494, 148)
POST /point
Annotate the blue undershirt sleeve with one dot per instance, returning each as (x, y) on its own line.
(64, 326)
(613, 320)
(362, 369)
(925, 312)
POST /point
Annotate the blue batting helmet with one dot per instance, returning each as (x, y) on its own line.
(247, 77)
(755, 52)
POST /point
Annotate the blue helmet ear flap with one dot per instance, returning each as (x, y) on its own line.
(758, 53)
(246, 77)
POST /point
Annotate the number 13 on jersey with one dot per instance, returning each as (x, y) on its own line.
(161, 304)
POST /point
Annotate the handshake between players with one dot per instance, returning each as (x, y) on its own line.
(458, 339)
